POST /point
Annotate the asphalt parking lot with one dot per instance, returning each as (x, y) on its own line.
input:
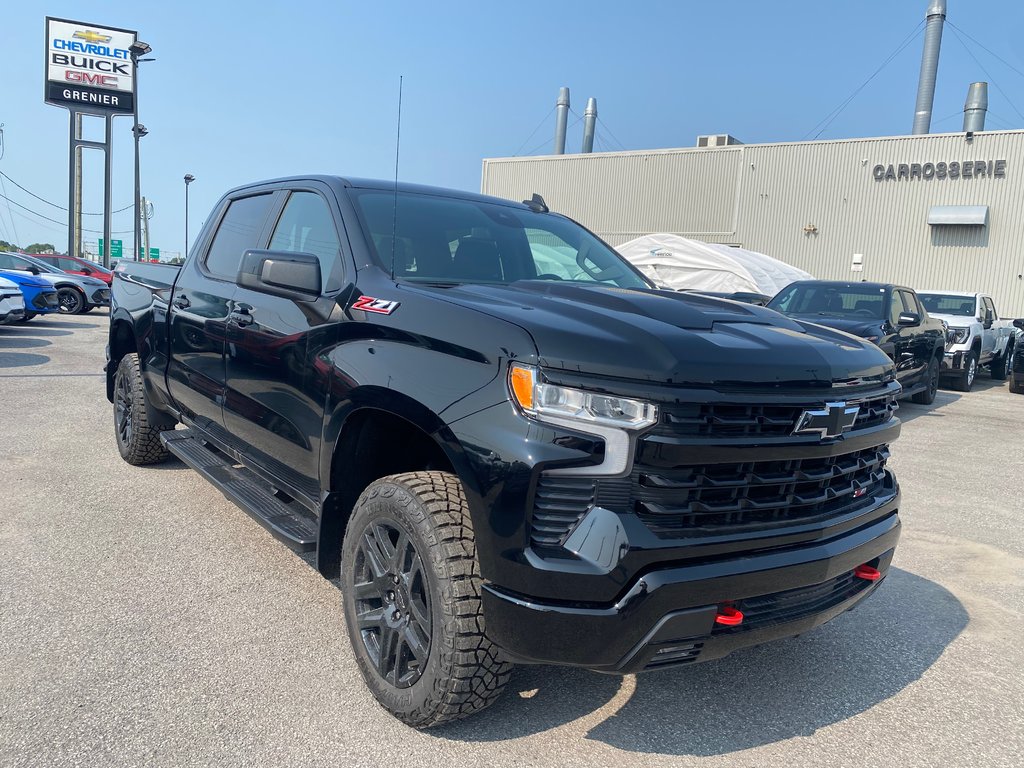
(144, 620)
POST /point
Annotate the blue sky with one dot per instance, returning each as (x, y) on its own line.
(282, 88)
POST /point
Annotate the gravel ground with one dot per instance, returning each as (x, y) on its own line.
(144, 620)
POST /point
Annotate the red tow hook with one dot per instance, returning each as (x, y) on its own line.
(867, 573)
(729, 616)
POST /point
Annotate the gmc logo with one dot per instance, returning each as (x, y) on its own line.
(88, 78)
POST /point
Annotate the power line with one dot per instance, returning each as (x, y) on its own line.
(546, 140)
(612, 135)
(47, 218)
(989, 50)
(14, 226)
(992, 79)
(533, 132)
(831, 116)
(55, 205)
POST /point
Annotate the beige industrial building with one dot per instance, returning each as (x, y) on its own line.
(938, 211)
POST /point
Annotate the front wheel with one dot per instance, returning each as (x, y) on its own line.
(70, 300)
(411, 586)
(966, 380)
(927, 395)
(137, 441)
(997, 368)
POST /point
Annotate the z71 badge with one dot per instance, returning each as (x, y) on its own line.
(380, 306)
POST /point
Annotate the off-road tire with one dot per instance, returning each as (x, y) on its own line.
(927, 395)
(71, 301)
(1016, 387)
(463, 671)
(965, 381)
(139, 444)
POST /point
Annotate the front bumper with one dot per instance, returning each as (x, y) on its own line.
(100, 297)
(44, 302)
(952, 363)
(667, 616)
(9, 313)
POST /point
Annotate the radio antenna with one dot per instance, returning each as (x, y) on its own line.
(398, 146)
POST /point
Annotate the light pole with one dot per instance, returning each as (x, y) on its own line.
(189, 178)
(137, 50)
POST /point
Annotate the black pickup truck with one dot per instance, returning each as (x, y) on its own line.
(891, 316)
(510, 446)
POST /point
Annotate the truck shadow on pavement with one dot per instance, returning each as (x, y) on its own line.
(909, 411)
(755, 697)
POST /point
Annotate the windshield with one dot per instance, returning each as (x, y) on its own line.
(22, 262)
(449, 241)
(831, 300)
(940, 304)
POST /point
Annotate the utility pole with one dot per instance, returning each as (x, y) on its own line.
(146, 213)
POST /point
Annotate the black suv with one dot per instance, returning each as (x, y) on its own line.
(1015, 360)
(888, 315)
(510, 446)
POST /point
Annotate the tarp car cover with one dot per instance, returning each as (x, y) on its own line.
(684, 264)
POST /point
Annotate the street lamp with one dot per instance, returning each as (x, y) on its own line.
(137, 50)
(189, 178)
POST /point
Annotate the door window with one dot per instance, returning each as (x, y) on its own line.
(307, 226)
(896, 308)
(70, 265)
(239, 231)
(991, 307)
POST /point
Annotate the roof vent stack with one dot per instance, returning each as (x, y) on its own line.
(561, 120)
(589, 123)
(976, 107)
(934, 19)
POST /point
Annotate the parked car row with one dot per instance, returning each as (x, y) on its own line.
(48, 288)
(930, 336)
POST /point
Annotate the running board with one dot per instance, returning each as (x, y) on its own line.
(243, 488)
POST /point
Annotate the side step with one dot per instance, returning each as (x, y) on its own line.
(240, 486)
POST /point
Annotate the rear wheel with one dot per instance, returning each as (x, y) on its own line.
(411, 587)
(966, 380)
(927, 395)
(137, 441)
(70, 300)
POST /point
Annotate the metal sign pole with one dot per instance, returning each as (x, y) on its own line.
(108, 182)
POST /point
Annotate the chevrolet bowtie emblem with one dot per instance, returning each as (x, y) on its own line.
(830, 421)
(91, 37)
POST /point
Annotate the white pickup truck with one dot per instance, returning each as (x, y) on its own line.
(976, 336)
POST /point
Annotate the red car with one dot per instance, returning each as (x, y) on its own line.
(76, 266)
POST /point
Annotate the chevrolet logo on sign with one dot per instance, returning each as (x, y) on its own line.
(91, 37)
(830, 421)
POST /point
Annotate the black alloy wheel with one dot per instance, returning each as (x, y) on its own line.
(70, 300)
(123, 409)
(411, 592)
(392, 602)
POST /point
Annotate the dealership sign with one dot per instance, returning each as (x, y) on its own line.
(89, 68)
(954, 169)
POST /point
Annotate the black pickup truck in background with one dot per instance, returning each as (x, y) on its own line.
(888, 315)
(509, 445)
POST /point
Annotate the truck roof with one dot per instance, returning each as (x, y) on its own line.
(851, 284)
(352, 182)
(965, 294)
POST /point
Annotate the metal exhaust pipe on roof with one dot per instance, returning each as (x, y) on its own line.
(589, 123)
(561, 120)
(975, 107)
(934, 19)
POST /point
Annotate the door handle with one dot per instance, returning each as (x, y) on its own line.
(240, 315)
(181, 301)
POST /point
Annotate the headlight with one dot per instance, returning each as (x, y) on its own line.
(957, 335)
(540, 399)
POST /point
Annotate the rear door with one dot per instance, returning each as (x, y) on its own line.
(921, 341)
(200, 306)
(274, 405)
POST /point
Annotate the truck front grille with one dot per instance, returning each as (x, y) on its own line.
(726, 420)
(716, 499)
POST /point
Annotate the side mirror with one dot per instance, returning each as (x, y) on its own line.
(86, 270)
(33, 269)
(281, 273)
(1019, 323)
(909, 319)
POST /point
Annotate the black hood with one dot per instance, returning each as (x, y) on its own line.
(672, 338)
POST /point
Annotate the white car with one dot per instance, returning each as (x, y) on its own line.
(12, 303)
(976, 336)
